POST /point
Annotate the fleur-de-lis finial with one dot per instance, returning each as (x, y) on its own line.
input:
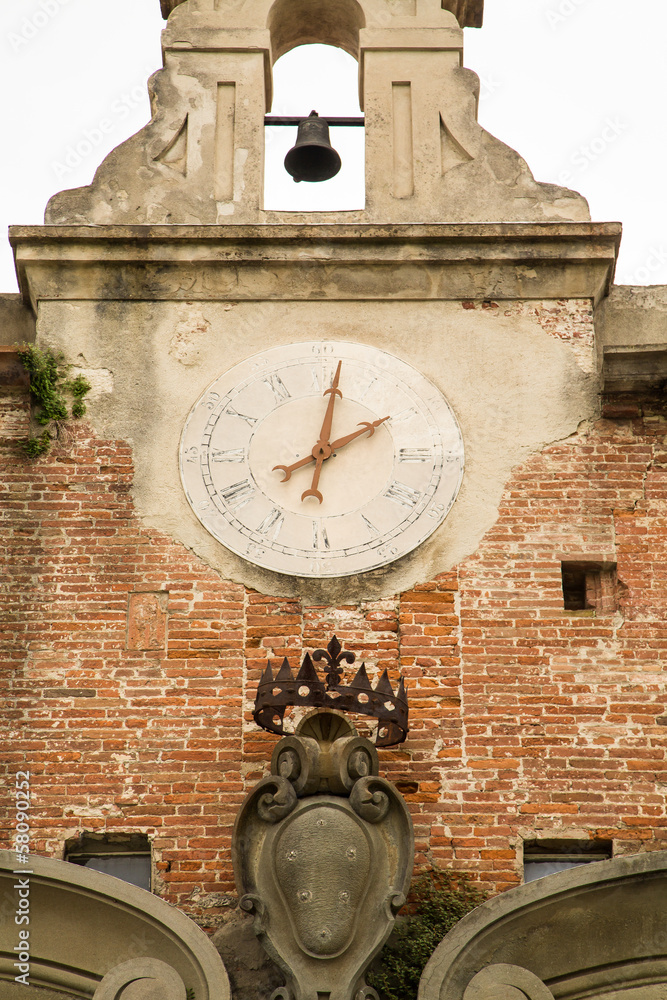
(333, 657)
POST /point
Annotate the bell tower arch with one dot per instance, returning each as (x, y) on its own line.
(305, 22)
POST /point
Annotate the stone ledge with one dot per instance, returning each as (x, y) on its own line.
(632, 338)
(339, 261)
(634, 369)
(17, 322)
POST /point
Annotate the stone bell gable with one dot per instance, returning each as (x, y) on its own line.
(201, 157)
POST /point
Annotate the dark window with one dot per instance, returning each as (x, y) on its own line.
(125, 856)
(547, 857)
(589, 586)
(574, 586)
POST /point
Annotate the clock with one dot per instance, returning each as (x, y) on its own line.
(321, 459)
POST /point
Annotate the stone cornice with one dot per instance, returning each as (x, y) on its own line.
(311, 261)
(469, 13)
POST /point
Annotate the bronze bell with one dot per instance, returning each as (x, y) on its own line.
(312, 157)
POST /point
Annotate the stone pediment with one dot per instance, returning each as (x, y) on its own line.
(595, 931)
(92, 935)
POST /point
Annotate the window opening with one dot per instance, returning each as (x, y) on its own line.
(548, 857)
(574, 586)
(589, 587)
(325, 79)
(125, 856)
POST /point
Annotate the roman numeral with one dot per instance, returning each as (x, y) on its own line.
(271, 524)
(364, 393)
(233, 455)
(414, 454)
(371, 527)
(238, 494)
(277, 387)
(320, 537)
(326, 374)
(400, 493)
(406, 414)
(251, 421)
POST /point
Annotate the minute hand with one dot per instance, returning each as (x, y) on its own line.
(366, 427)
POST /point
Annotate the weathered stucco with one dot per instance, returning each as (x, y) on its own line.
(17, 322)
(631, 328)
(201, 158)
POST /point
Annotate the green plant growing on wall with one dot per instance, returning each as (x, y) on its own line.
(437, 901)
(50, 387)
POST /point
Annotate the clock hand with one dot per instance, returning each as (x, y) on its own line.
(322, 449)
(289, 469)
(328, 416)
(338, 443)
(365, 426)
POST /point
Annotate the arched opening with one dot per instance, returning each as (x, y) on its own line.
(323, 78)
(309, 22)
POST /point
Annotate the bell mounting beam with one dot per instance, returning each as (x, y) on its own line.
(283, 120)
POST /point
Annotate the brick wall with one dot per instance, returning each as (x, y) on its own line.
(129, 667)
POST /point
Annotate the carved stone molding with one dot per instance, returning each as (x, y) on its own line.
(506, 982)
(595, 931)
(141, 979)
(469, 13)
(339, 262)
(86, 930)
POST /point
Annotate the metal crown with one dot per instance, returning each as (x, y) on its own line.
(275, 694)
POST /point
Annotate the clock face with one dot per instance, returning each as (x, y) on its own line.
(321, 459)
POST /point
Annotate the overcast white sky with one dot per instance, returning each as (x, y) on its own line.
(578, 87)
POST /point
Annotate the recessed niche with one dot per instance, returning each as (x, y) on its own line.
(589, 587)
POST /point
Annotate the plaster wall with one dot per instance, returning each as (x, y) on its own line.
(17, 322)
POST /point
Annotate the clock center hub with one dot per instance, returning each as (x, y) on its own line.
(321, 450)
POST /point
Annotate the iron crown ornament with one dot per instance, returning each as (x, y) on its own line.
(285, 690)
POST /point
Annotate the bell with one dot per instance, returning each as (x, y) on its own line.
(312, 157)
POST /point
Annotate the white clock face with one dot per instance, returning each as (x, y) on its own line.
(367, 471)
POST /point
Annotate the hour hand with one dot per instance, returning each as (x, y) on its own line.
(366, 428)
(289, 469)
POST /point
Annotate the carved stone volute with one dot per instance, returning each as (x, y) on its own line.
(323, 851)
